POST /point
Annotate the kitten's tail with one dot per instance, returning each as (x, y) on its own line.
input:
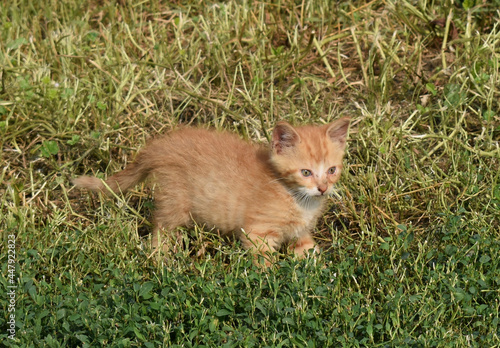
(133, 174)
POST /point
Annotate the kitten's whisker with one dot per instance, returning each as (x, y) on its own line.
(303, 198)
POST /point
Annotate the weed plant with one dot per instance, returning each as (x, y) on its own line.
(410, 248)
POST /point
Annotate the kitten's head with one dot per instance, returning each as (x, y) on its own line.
(309, 159)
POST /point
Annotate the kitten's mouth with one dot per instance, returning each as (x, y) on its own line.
(319, 194)
(322, 193)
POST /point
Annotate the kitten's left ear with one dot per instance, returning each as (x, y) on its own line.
(284, 137)
(337, 131)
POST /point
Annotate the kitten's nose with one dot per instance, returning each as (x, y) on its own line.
(322, 188)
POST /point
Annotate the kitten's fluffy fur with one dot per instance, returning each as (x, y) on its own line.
(265, 196)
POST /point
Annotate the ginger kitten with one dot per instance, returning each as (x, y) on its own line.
(264, 196)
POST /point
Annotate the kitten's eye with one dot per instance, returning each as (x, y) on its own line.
(332, 170)
(306, 172)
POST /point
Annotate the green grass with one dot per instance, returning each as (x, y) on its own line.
(411, 252)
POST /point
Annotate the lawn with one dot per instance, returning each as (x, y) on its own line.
(410, 247)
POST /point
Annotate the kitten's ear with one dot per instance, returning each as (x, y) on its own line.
(284, 137)
(337, 131)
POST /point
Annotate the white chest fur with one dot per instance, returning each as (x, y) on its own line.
(305, 217)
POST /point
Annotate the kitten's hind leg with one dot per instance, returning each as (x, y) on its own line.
(168, 216)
